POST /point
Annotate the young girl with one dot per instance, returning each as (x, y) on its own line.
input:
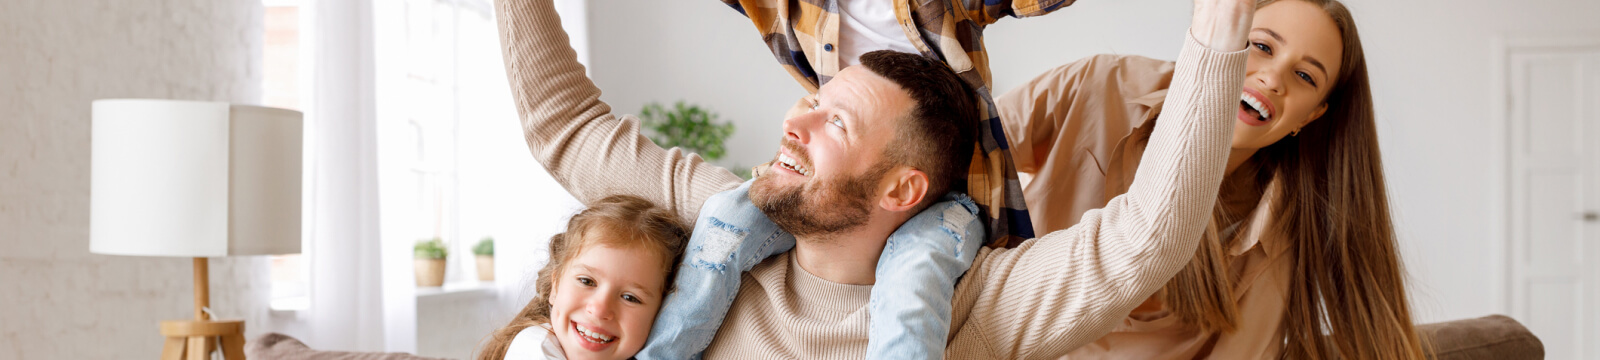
(600, 291)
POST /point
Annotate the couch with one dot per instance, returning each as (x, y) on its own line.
(1494, 337)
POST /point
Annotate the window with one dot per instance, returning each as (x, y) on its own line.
(448, 157)
(468, 174)
(453, 164)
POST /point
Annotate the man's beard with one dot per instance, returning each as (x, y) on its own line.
(834, 207)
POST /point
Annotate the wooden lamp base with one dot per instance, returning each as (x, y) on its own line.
(194, 339)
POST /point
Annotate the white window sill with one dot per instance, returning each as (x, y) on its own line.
(457, 290)
(289, 306)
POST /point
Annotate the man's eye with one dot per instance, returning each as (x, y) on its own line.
(585, 281)
(632, 299)
(814, 104)
(835, 121)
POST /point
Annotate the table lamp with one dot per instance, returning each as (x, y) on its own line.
(194, 179)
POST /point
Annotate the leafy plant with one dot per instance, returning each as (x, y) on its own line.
(484, 247)
(431, 249)
(687, 126)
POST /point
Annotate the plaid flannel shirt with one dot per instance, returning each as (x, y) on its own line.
(801, 35)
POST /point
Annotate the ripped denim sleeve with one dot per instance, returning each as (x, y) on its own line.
(916, 278)
(730, 237)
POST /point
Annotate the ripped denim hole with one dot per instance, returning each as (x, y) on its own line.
(715, 245)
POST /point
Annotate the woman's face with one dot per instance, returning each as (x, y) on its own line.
(1295, 50)
(604, 301)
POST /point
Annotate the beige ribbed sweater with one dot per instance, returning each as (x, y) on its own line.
(1039, 300)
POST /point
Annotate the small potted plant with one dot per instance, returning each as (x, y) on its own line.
(484, 251)
(429, 262)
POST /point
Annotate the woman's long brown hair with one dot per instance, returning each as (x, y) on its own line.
(1347, 294)
(618, 221)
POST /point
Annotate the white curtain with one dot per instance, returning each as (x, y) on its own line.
(361, 284)
(346, 273)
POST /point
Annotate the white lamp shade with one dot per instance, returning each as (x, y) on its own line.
(193, 179)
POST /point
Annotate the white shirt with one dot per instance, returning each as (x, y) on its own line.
(535, 342)
(869, 25)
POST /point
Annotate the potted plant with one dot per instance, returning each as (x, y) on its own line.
(690, 127)
(429, 261)
(484, 251)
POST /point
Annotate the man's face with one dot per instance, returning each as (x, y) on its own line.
(830, 164)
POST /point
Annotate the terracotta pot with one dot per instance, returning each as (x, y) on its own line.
(430, 272)
(485, 268)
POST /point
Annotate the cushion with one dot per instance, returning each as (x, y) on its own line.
(280, 346)
(1493, 337)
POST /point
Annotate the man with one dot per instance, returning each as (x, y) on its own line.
(1040, 299)
(815, 40)
(927, 151)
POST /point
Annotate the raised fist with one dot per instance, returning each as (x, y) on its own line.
(1222, 25)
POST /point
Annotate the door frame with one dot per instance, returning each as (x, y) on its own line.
(1501, 107)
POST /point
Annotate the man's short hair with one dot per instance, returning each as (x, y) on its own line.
(937, 137)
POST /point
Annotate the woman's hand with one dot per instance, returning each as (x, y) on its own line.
(1222, 25)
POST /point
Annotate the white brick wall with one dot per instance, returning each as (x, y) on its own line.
(58, 301)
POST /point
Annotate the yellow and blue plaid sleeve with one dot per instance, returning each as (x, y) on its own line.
(986, 12)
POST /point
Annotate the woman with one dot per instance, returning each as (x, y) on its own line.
(1301, 238)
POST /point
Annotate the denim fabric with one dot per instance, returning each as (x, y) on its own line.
(730, 237)
(916, 278)
(926, 256)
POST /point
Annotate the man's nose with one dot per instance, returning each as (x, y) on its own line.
(799, 127)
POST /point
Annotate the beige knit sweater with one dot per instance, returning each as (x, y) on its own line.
(1039, 300)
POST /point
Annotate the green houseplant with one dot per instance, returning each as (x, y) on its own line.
(429, 261)
(484, 252)
(690, 127)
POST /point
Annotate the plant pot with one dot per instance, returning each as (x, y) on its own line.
(430, 272)
(485, 267)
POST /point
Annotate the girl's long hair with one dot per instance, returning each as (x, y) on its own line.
(1347, 294)
(617, 221)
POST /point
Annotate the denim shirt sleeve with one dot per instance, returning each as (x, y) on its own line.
(730, 236)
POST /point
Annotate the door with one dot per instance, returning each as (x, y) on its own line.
(1555, 195)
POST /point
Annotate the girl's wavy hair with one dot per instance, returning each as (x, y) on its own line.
(616, 221)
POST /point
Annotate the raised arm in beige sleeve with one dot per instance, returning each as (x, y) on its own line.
(1056, 293)
(573, 134)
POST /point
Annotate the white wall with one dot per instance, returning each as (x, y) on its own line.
(699, 51)
(1430, 61)
(1433, 82)
(58, 301)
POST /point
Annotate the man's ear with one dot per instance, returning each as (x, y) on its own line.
(903, 189)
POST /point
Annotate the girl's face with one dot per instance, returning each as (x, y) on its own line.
(604, 300)
(1295, 50)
